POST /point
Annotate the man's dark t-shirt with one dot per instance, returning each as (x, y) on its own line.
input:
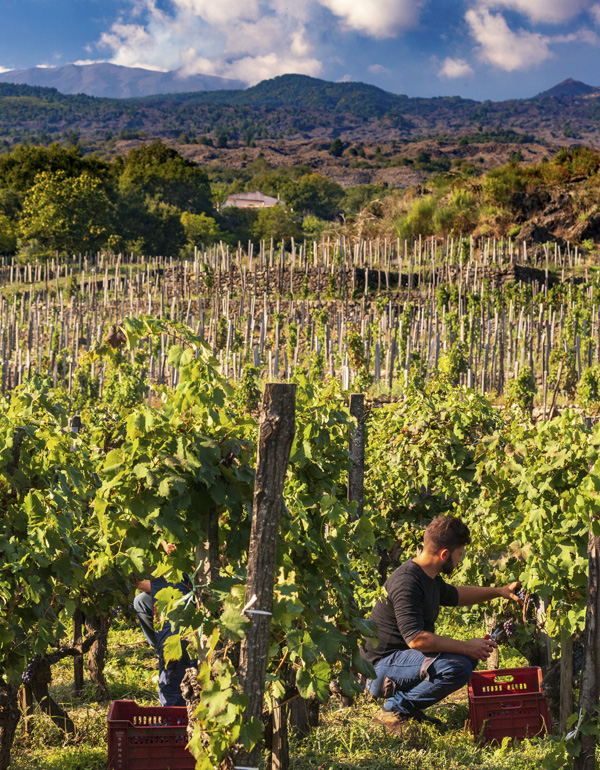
(412, 605)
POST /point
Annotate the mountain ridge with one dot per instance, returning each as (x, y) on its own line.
(303, 112)
(103, 79)
(107, 80)
(569, 88)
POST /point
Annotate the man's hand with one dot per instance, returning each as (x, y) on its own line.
(510, 591)
(168, 548)
(480, 649)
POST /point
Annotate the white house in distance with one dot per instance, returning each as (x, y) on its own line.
(251, 200)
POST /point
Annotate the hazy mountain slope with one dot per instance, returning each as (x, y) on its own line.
(110, 80)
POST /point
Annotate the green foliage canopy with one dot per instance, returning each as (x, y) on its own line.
(67, 213)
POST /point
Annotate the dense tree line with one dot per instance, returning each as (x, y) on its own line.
(154, 201)
(55, 199)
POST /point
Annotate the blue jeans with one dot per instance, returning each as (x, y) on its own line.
(170, 675)
(419, 680)
(144, 608)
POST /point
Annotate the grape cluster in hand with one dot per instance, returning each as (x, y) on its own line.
(27, 675)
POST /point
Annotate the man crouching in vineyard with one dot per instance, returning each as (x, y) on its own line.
(415, 667)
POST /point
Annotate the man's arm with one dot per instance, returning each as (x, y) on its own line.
(468, 595)
(425, 642)
(142, 585)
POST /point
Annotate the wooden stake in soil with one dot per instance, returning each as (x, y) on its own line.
(356, 446)
(276, 435)
(566, 679)
(588, 694)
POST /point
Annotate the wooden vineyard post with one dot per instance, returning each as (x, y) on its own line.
(10, 715)
(356, 447)
(552, 405)
(27, 705)
(493, 661)
(280, 750)
(588, 693)
(356, 474)
(276, 434)
(78, 659)
(566, 679)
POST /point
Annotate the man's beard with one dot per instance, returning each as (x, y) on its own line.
(448, 567)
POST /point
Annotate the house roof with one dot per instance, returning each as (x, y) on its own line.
(255, 197)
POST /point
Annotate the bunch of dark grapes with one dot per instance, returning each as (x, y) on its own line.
(530, 605)
(510, 628)
(577, 658)
(27, 675)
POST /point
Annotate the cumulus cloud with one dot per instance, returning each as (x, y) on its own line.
(377, 18)
(595, 11)
(221, 11)
(544, 11)
(503, 47)
(132, 45)
(6, 69)
(455, 68)
(248, 40)
(251, 69)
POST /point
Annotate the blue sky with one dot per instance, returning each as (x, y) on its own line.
(480, 49)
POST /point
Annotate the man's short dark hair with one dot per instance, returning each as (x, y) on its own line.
(446, 532)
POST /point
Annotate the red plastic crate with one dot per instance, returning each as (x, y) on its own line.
(151, 738)
(508, 703)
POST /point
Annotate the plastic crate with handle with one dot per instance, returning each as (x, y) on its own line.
(508, 703)
(147, 738)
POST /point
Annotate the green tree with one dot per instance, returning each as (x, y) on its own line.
(66, 213)
(276, 222)
(336, 148)
(313, 227)
(19, 168)
(357, 197)
(8, 235)
(200, 228)
(314, 194)
(155, 171)
(151, 227)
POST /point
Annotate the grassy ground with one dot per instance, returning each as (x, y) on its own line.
(345, 739)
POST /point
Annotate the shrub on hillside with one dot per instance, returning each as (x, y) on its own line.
(588, 389)
(522, 390)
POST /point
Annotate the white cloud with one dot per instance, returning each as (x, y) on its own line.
(6, 69)
(595, 11)
(503, 47)
(583, 35)
(251, 69)
(543, 11)
(86, 62)
(246, 39)
(221, 11)
(379, 69)
(377, 18)
(455, 68)
(249, 40)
